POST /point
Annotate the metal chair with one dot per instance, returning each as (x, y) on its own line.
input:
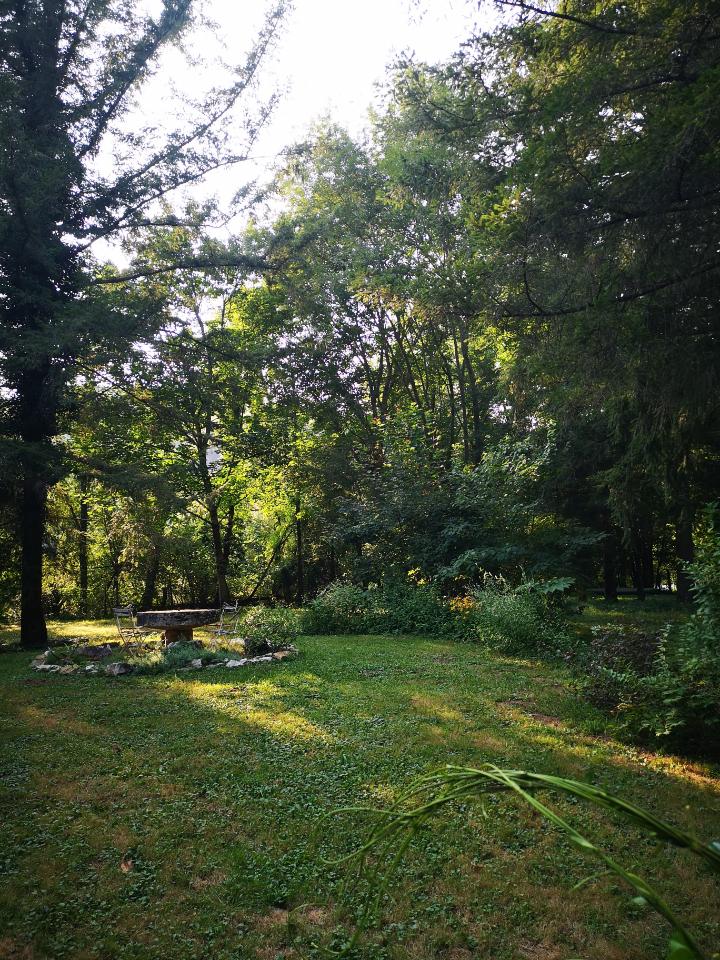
(229, 622)
(127, 626)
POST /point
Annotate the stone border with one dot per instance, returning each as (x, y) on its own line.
(120, 667)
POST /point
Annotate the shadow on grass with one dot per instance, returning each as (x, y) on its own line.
(210, 785)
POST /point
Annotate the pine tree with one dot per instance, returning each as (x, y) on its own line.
(70, 70)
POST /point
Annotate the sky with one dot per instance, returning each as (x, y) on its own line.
(327, 62)
(333, 52)
(328, 59)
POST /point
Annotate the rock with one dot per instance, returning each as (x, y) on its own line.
(267, 659)
(49, 667)
(92, 668)
(96, 652)
(197, 664)
(231, 664)
(68, 668)
(282, 654)
(117, 669)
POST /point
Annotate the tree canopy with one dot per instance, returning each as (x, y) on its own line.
(482, 339)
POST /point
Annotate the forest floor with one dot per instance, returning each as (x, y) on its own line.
(173, 816)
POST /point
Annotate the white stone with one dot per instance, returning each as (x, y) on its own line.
(235, 663)
(117, 669)
(50, 667)
(197, 664)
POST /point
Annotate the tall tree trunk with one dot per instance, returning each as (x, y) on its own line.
(228, 538)
(685, 553)
(83, 517)
(478, 439)
(463, 403)
(223, 593)
(36, 425)
(610, 564)
(151, 575)
(638, 581)
(622, 565)
(33, 631)
(684, 543)
(636, 565)
(648, 566)
(299, 559)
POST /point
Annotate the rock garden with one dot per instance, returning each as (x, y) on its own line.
(262, 636)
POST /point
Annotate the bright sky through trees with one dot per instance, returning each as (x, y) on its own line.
(334, 51)
(330, 56)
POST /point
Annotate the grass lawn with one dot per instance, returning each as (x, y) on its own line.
(172, 816)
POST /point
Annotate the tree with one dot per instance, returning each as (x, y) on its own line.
(70, 72)
(598, 125)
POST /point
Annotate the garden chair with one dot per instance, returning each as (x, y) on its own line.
(128, 629)
(229, 623)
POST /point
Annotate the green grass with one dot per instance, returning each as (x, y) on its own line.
(650, 614)
(173, 815)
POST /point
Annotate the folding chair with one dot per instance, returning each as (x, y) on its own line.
(228, 624)
(127, 626)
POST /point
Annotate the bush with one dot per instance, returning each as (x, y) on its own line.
(264, 629)
(524, 619)
(674, 696)
(665, 686)
(611, 664)
(392, 608)
(680, 699)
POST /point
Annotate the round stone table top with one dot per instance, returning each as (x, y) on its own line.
(176, 618)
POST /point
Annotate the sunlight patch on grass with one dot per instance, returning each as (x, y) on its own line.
(62, 722)
(213, 784)
(437, 707)
(279, 722)
(90, 631)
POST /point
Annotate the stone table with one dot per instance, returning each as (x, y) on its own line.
(178, 624)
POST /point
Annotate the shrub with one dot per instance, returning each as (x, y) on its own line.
(612, 664)
(339, 608)
(392, 608)
(665, 686)
(264, 629)
(680, 699)
(160, 659)
(179, 656)
(520, 619)
(684, 687)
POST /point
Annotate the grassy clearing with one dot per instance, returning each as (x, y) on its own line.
(650, 614)
(173, 816)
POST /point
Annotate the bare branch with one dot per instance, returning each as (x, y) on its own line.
(557, 15)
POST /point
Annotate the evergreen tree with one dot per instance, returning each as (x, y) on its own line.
(69, 73)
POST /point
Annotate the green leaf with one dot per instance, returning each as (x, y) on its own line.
(679, 948)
